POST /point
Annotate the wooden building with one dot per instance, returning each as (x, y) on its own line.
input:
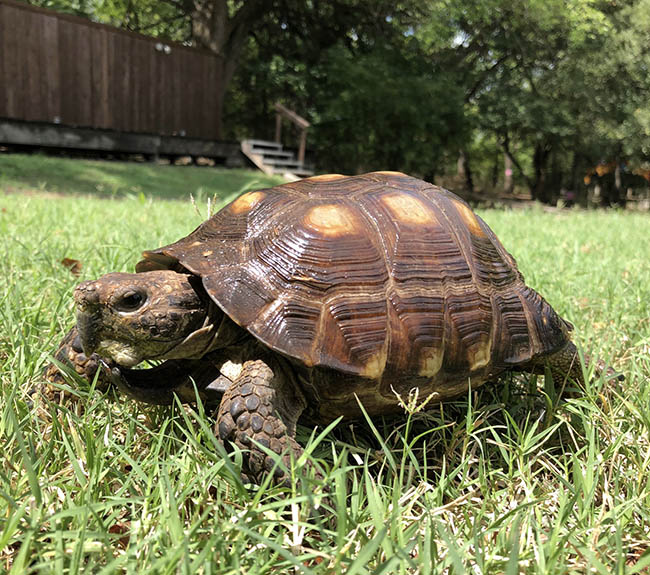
(68, 82)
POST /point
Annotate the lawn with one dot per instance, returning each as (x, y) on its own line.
(119, 179)
(499, 481)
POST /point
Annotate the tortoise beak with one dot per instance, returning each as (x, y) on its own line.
(86, 298)
(87, 327)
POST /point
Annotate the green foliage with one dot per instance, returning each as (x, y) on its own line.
(151, 17)
(381, 110)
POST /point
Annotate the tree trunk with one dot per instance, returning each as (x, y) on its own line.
(505, 143)
(539, 189)
(465, 171)
(577, 190)
(494, 176)
(617, 195)
(508, 182)
(223, 34)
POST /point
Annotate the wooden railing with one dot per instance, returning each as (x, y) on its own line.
(302, 124)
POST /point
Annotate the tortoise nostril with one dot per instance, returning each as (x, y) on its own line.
(86, 294)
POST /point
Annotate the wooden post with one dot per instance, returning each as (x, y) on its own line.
(303, 145)
(278, 127)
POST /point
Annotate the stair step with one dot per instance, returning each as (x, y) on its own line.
(282, 162)
(273, 153)
(270, 157)
(265, 144)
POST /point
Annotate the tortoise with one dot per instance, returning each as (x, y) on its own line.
(329, 293)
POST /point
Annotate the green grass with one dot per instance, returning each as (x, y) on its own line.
(497, 482)
(19, 172)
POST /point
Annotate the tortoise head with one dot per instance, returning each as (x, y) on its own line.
(153, 315)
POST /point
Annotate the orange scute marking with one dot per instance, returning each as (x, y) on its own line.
(480, 356)
(331, 220)
(375, 367)
(431, 362)
(469, 217)
(246, 202)
(326, 178)
(406, 208)
(389, 173)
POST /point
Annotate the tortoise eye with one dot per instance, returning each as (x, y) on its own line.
(130, 301)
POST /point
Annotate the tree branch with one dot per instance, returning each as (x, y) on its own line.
(505, 143)
(484, 75)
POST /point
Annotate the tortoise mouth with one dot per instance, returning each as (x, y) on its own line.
(160, 385)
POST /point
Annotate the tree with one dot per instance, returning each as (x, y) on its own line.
(383, 109)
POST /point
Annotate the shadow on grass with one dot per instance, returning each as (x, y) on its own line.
(104, 178)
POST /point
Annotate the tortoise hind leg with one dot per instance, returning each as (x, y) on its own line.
(565, 363)
(260, 408)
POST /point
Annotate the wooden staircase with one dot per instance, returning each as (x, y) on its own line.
(272, 158)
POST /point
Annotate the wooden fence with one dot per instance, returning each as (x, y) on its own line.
(63, 69)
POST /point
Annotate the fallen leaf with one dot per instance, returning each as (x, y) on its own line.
(73, 265)
(121, 529)
(583, 302)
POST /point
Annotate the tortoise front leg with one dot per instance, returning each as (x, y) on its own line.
(261, 408)
(71, 353)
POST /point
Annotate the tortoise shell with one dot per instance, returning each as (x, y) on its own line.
(368, 275)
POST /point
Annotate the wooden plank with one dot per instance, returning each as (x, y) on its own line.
(188, 97)
(185, 101)
(13, 65)
(51, 75)
(209, 101)
(154, 95)
(176, 83)
(33, 68)
(3, 52)
(99, 84)
(21, 30)
(133, 63)
(83, 75)
(218, 99)
(212, 99)
(120, 84)
(67, 78)
(111, 121)
(203, 96)
(138, 96)
(147, 115)
(114, 79)
(165, 94)
(36, 105)
(124, 68)
(200, 96)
